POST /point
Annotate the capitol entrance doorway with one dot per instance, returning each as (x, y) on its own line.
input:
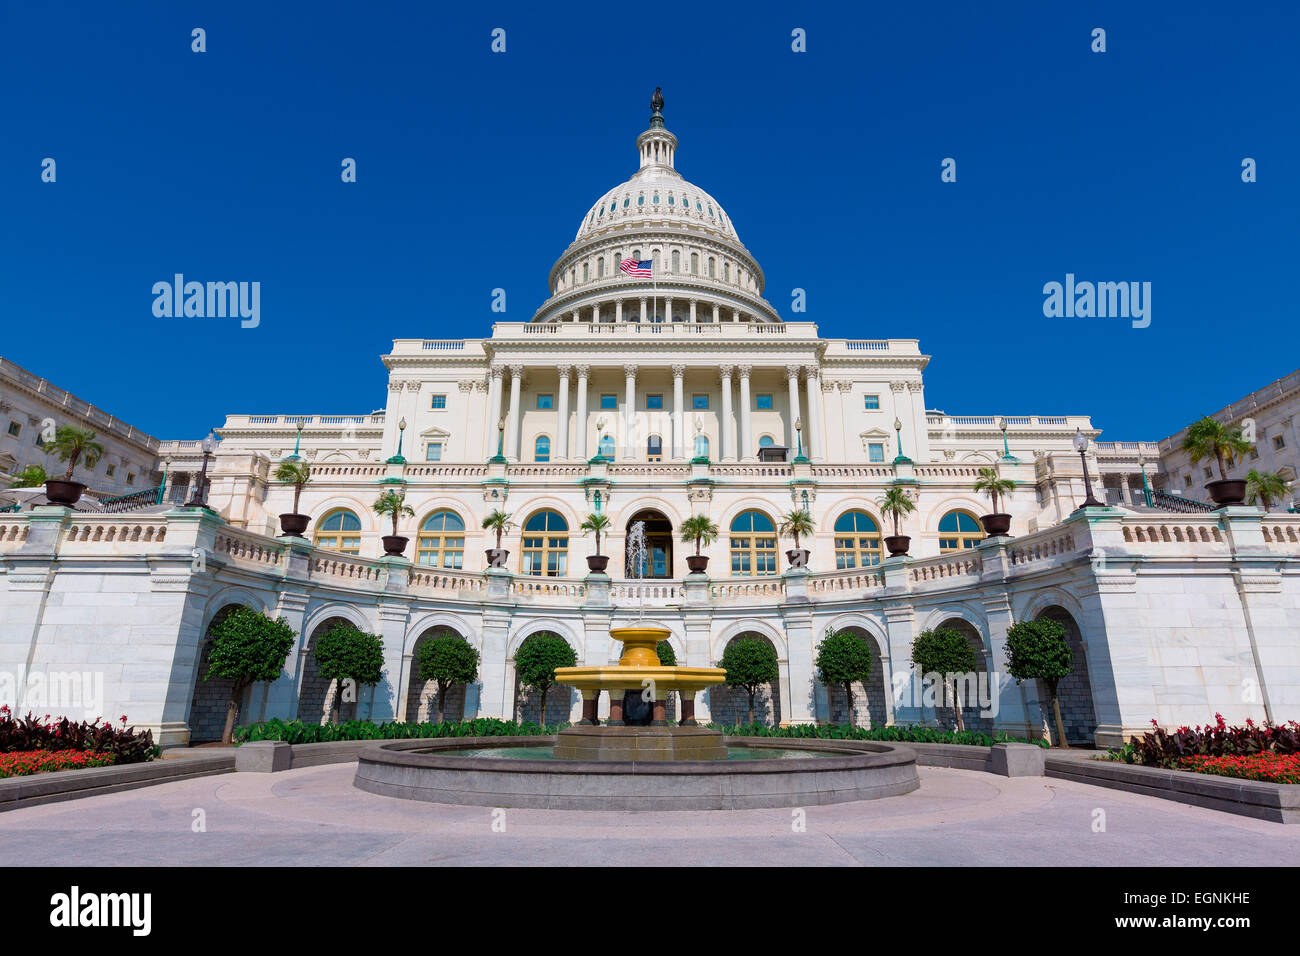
(658, 546)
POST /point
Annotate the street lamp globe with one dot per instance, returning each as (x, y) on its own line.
(1080, 441)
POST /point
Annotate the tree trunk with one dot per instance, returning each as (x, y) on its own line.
(338, 701)
(72, 464)
(232, 712)
(1056, 712)
(1223, 471)
(442, 697)
(956, 708)
(751, 708)
(394, 524)
(297, 493)
(541, 717)
(848, 693)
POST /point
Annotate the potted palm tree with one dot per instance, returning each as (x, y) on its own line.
(897, 505)
(999, 522)
(794, 524)
(296, 473)
(596, 523)
(1210, 438)
(1265, 488)
(70, 444)
(700, 530)
(498, 521)
(393, 503)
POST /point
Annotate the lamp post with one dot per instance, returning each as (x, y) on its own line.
(1146, 488)
(1006, 452)
(898, 437)
(200, 497)
(798, 434)
(501, 437)
(162, 489)
(398, 459)
(1081, 446)
(297, 443)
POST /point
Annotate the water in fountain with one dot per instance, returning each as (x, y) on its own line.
(636, 558)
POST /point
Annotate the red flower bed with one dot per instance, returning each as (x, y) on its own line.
(25, 762)
(1271, 768)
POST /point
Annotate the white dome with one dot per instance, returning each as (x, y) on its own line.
(656, 195)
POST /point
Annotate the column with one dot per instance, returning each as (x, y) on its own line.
(747, 450)
(792, 376)
(618, 310)
(595, 314)
(920, 427)
(815, 448)
(679, 413)
(643, 313)
(512, 425)
(561, 447)
(728, 450)
(717, 313)
(668, 309)
(580, 424)
(693, 313)
(494, 406)
(846, 412)
(629, 411)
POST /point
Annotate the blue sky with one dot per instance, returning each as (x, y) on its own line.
(474, 169)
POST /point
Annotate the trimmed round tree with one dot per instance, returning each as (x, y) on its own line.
(247, 646)
(947, 653)
(447, 659)
(842, 658)
(536, 660)
(345, 654)
(1038, 650)
(667, 656)
(750, 662)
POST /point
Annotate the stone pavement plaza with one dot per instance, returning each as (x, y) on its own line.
(314, 816)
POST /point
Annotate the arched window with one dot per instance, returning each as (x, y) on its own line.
(654, 448)
(713, 267)
(701, 446)
(600, 267)
(959, 530)
(640, 200)
(442, 541)
(767, 441)
(542, 448)
(695, 263)
(655, 199)
(339, 531)
(753, 544)
(586, 271)
(546, 545)
(677, 256)
(857, 541)
(726, 272)
(607, 447)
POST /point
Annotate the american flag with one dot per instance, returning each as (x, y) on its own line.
(637, 268)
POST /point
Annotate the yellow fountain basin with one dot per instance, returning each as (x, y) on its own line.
(685, 680)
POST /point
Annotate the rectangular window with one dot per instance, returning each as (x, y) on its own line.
(871, 402)
(130, 479)
(1208, 473)
(433, 451)
(700, 401)
(1279, 441)
(654, 402)
(609, 401)
(108, 472)
(763, 402)
(1187, 481)
(1254, 453)
(15, 429)
(437, 402)
(545, 401)
(875, 451)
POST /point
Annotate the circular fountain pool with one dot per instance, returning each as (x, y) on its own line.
(523, 772)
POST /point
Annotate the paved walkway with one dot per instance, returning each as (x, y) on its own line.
(314, 816)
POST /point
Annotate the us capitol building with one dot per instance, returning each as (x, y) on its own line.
(650, 399)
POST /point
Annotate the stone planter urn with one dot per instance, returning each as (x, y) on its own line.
(394, 545)
(798, 557)
(996, 525)
(497, 557)
(596, 563)
(898, 544)
(293, 524)
(698, 563)
(1222, 492)
(61, 492)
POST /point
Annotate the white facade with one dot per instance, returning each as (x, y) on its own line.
(596, 406)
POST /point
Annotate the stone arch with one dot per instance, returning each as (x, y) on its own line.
(659, 532)
(1074, 692)
(873, 704)
(211, 698)
(730, 705)
(351, 503)
(970, 711)
(421, 697)
(560, 700)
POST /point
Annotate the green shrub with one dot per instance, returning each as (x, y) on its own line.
(296, 732)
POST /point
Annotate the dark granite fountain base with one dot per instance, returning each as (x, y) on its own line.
(640, 743)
